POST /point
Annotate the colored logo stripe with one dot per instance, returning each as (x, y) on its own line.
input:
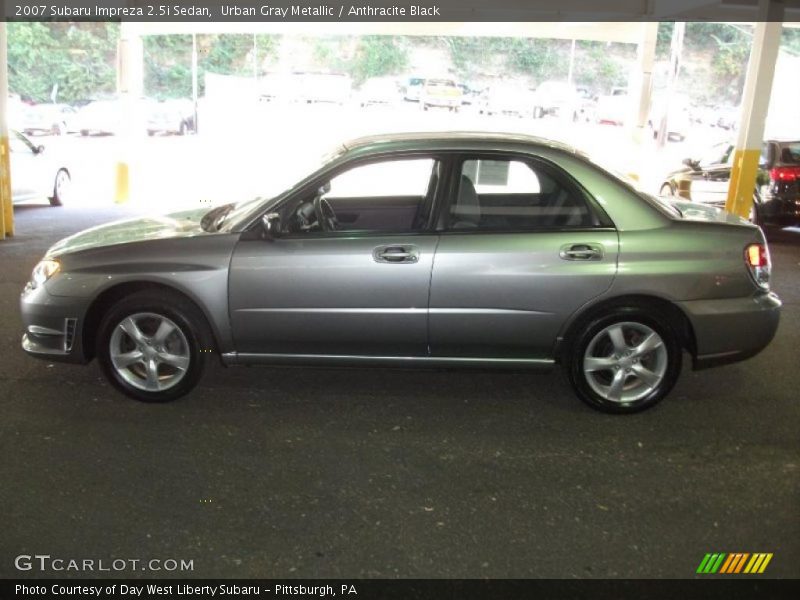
(735, 562)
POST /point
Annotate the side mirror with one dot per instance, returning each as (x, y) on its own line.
(324, 188)
(691, 163)
(271, 224)
(39, 149)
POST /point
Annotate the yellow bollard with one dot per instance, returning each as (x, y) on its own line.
(122, 190)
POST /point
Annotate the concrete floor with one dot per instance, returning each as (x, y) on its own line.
(347, 473)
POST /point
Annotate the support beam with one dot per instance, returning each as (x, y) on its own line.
(675, 53)
(643, 82)
(755, 104)
(130, 87)
(6, 200)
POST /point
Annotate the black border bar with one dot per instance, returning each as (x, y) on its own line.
(731, 588)
(391, 10)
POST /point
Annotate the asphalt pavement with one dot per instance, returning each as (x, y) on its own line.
(289, 472)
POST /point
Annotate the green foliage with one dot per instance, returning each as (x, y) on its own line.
(168, 60)
(79, 57)
(664, 40)
(790, 40)
(596, 68)
(363, 57)
(377, 56)
(538, 59)
(168, 66)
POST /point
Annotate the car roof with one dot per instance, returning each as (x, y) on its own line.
(451, 141)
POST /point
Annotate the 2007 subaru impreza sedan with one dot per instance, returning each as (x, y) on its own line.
(416, 250)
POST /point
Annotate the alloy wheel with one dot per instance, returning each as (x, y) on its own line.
(625, 362)
(149, 352)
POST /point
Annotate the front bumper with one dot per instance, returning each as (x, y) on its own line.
(53, 325)
(730, 330)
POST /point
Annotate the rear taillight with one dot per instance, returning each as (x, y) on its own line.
(784, 174)
(756, 256)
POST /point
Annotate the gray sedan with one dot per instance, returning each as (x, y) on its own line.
(416, 250)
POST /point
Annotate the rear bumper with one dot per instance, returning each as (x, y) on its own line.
(780, 210)
(730, 330)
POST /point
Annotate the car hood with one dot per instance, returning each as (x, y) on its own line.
(156, 227)
(695, 211)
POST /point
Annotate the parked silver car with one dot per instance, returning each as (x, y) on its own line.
(416, 250)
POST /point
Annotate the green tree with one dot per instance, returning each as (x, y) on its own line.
(378, 56)
(168, 60)
(78, 57)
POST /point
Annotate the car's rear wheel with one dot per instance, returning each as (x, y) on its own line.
(61, 187)
(153, 346)
(666, 190)
(625, 361)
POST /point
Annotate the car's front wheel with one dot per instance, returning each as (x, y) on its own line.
(153, 346)
(625, 361)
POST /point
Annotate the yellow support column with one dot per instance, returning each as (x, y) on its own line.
(130, 79)
(755, 104)
(6, 201)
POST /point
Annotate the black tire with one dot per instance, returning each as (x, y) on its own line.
(670, 358)
(60, 185)
(755, 215)
(182, 313)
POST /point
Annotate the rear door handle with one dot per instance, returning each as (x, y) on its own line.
(396, 254)
(581, 252)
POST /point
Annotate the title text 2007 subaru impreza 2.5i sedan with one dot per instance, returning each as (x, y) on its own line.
(416, 250)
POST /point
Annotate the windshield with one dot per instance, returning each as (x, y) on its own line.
(279, 180)
(790, 153)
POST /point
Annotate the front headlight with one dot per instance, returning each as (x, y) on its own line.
(43, 271)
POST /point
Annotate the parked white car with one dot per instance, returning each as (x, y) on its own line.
(557, 98)
(36, 175)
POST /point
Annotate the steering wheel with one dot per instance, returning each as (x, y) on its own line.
(326, 217)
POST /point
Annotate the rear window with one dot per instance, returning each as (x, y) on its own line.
(790, 153)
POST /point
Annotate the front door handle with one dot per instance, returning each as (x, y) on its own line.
(396, 254)
(581, 252)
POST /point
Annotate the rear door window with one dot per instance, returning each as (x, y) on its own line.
(514, 195)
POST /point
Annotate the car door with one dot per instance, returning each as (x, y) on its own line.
(359, 290)
(521, 249)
